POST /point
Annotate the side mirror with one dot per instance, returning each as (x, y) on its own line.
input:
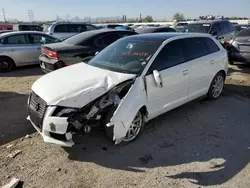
(157, 78)
(96, 53)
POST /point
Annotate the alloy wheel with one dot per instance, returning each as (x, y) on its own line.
(134, 128)
(217, 86)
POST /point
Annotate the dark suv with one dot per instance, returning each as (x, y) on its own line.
(223, 30)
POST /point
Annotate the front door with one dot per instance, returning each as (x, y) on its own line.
(174, 72)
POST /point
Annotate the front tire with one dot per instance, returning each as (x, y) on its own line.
(134, 131)
(216, 86)
(6, 64)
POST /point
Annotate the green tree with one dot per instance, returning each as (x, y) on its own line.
(178, 16)
(148, 19)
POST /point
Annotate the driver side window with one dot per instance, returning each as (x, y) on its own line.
(171, 55)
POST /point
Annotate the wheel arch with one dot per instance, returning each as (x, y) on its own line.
(223, 72)
(5, 56)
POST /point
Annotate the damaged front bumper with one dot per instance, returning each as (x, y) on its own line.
(53, 129)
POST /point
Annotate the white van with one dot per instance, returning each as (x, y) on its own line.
(65, 30)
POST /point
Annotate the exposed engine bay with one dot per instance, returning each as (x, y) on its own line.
(94, 114)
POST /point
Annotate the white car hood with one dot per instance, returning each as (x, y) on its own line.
(77, 85)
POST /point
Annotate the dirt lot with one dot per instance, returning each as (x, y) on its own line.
(200, 144)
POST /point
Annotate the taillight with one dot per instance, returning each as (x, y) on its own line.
(227, 45)
(50, 54)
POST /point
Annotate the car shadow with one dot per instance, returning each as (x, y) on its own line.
(199, 132)
(13, 117)
(31, 70)
(239, 67)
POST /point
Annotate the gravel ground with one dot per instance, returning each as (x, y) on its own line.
(201, 144)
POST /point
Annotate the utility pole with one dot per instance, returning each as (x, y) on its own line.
(31, 15)
(4, 18)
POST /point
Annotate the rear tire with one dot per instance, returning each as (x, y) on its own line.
(6, 64)
(216, 86)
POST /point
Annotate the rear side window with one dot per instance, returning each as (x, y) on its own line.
(110, 38)
(212, 47)
(17, 39)
(171, 55)
(224, 27)
(230, 26)
(216, 29)
(165, 30)
(61, 29)
(244, 33)
(77, 28)
(195, 48)
(90, 27)
(40, 39)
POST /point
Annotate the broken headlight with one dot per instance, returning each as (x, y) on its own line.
(63, 111)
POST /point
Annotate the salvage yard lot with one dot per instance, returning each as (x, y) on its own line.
(200, 144)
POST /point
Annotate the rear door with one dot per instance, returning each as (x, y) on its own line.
(202, 60)
(17, 48)
(34, 42)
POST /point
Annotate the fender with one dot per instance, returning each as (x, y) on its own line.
(125, 113)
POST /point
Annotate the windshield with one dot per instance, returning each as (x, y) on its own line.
(126, 56)
(198, 28)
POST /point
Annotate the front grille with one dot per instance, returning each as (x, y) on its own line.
(37, 108)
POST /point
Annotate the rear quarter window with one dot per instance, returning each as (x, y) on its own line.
(211, 45)
(195, 48)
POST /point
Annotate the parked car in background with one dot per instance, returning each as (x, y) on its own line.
(27, 27)
(6, 27)
(240, 27)
(223, 30)
(155, 30)
(22, 48)
(130, 82)
(124, 27)
(63, 30)
(79, 48)
(5, 31)
(111, 26)
(180, 29)
(239, 47)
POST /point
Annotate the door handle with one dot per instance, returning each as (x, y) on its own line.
(211, 62)
(12, 50)
(39, 48)
(185, 72)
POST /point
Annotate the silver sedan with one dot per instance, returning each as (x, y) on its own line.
(22, 48)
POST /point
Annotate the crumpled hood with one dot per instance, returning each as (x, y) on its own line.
(77, 85)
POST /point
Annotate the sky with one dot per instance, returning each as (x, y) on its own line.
(159, 9)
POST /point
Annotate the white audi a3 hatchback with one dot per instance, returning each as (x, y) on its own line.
(128, 83)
